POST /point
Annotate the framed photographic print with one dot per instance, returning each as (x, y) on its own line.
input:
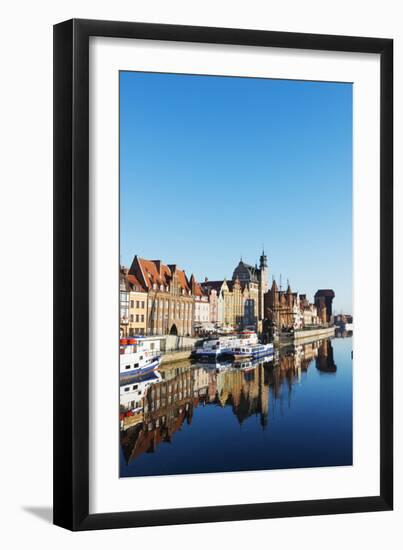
(223, 316)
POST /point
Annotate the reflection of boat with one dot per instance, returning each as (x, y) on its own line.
(250, 365)
(255, 351)
(247, 364)
(131, 393)
(138, 356)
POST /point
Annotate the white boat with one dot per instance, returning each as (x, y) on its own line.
(216, 347)
(254, 351)
(138, 356)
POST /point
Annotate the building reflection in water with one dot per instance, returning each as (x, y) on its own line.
(153, 408)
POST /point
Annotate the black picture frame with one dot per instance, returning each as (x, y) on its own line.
(71, 274)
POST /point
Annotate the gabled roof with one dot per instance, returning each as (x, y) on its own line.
(150, 272)
(134, 283)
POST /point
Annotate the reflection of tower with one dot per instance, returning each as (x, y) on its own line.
(263, 397)
(263, 282)
(325, 361)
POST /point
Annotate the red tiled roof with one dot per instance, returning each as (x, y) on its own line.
(155, 272)
(196, 287)
(134, 283)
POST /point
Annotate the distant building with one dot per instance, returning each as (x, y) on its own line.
(170, 303)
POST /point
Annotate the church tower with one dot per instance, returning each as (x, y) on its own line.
(263, 282)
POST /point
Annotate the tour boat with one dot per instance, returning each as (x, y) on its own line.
(216, 347)
(254, 351)
(138, 356)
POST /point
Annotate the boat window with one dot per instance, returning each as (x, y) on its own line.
(136, 365)
(127, 389)
(135, 386)
(127, 367)
(141, 357)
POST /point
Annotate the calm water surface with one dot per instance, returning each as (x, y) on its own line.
(292, 412)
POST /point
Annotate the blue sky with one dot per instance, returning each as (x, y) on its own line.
(211, 168)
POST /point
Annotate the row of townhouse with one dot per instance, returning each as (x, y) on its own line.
(157, 298)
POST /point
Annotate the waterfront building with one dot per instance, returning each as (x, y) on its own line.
(309, 311)
(233, 305)
(170, 303)
(298, 317)
(215, 292)
(212, 297)
(123, 302)
(137, 307)
(283, 307)
(201, 305)
(254, 281)
(219, 295)
(323, 303)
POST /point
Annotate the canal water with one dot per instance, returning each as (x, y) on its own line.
(294, 411)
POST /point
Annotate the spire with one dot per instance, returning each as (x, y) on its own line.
(263, 259)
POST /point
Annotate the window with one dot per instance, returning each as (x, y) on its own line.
(137, 318)
(131, 318)
(132, 303)
(127, 367)
(127, 389)
(142, 304)
(137, 304)
(142, 318)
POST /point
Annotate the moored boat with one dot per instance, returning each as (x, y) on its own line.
(213, 348)
(138, 356)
